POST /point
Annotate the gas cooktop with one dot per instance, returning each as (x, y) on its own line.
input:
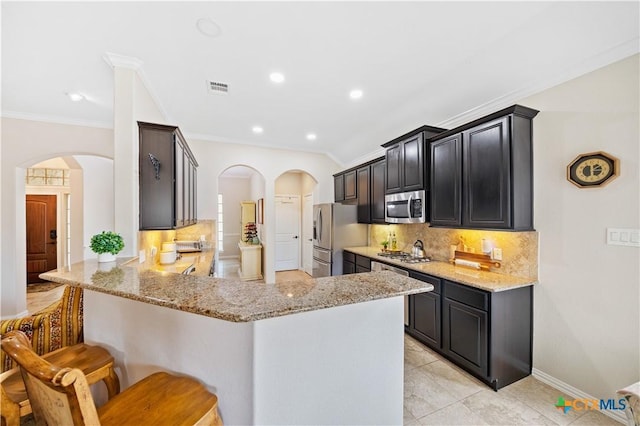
(403, 256)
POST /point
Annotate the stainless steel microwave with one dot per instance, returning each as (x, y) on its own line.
(405, 207)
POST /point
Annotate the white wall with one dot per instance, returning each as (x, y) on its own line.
(97, 198)
(289, 183)
(25, 143)
(215, 157)
(234, 190)
(587, 317)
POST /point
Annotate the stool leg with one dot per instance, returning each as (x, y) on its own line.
(113, 382)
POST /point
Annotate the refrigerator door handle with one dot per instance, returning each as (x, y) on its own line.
(320, 224)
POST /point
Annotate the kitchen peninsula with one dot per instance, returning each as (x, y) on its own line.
(322, 351)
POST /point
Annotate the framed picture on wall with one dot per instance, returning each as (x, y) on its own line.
(260, 209)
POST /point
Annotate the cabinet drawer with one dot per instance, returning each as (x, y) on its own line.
(348, 256)
(467, 295)
(364, 262)
(427, 279)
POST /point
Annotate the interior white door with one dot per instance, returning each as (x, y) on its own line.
(287, 232)
(307, 234)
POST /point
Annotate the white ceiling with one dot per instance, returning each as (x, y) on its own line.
(417, 63)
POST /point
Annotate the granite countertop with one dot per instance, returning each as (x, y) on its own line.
(232, 299)
(484, 280)
(200, 260)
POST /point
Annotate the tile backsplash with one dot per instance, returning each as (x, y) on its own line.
(519, 249)
(149, 239)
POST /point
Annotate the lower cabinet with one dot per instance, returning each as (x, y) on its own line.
(489, 334)
(353, 263)
(425, 319)
(348, 263)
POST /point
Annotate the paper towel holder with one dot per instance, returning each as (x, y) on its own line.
(483, 261)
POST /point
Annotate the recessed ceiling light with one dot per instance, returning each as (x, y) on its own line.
(355, 94)
(276, 77)
(75, 97)
(257, 129)
(312, 136)
(208, 28)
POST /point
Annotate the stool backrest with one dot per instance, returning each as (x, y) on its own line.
(58, 396)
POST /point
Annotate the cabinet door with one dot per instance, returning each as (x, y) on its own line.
(465, 335)
(364, 195)
(487, 175)
(363, 264)
(378, 174)
(426, 318)
(181, 189)
(378, 171)
(350, 187)
(156, 184)
(338, 188)
(413, 163)
(348, 267)
(393, 158)
(446, 181)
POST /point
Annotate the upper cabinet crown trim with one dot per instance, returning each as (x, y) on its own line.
(518, 110)
(430, 129)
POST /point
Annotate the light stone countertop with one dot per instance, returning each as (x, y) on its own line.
(200, 260)
(484, 280)
(232, 299)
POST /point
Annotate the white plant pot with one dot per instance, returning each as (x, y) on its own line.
(106, 257)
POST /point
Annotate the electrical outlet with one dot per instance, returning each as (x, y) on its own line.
(496, 253)
(142, 256)
(154, 250)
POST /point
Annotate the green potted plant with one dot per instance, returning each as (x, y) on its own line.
(107, 244)
(384, 243)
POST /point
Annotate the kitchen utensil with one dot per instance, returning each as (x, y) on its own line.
(418, 249)
(167, 257)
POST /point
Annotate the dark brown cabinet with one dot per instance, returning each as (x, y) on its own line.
(338, 187)
(377, 181)
(482, 173)
(405, 161)
(364, 194)
(425, 321)
(488, 333)
(167, 178)
(353, 263)
(465, 328)
(446, 181)
(366, 181)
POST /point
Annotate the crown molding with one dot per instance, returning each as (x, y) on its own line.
(116, 60)
(615, 54)
(120, 61)
(56, 120)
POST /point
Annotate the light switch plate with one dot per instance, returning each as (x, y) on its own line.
(142, 256)
(629, 237)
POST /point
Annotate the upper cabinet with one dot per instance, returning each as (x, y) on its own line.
(405, 161)
(482, 173)
(168, 178)
(364, 186)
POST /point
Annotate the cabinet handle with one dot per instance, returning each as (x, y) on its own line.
(156, 165)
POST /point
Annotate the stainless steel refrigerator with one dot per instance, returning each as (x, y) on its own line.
(335, 226)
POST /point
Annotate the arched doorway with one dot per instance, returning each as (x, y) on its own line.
(240, 190)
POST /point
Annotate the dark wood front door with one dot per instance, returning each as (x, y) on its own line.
(41, 235)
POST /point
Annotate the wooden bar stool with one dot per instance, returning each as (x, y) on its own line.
(61, 396)
(95, 362)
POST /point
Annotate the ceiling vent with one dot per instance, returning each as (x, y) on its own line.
(217, 87)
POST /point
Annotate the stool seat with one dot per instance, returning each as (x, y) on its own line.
(159, 399)
(61, 395)
(94, 361)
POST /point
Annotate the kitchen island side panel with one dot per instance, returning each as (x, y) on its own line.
(337, 366)
(145, 338)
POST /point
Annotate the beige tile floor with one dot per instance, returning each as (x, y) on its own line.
(436, 392)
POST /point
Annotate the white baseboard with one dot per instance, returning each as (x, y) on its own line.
(567, 389)
(19, 315)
